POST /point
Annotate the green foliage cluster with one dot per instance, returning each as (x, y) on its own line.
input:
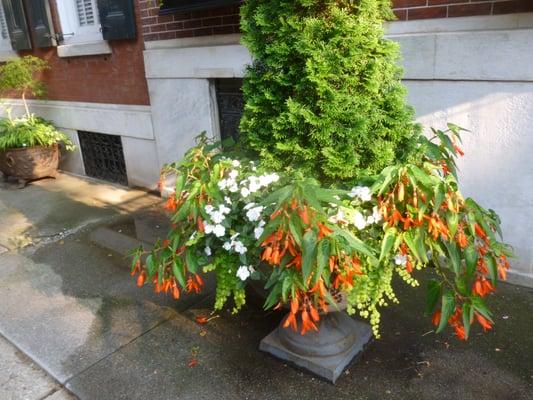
(324, 92)
(19, 75)
(30, 131)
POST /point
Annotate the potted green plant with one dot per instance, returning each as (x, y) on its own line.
(332, 193)
(29, 145)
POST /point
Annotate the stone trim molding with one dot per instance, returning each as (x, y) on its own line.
(113, 119)
(436, 49)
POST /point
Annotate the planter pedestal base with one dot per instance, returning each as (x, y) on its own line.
(326, 352)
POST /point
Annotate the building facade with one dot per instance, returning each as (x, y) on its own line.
(466, 61)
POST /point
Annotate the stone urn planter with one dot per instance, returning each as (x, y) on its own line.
(30, 163)
(326, 352)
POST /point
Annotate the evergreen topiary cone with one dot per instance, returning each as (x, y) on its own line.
(324, 92)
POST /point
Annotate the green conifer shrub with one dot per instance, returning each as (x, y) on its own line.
(324, 93)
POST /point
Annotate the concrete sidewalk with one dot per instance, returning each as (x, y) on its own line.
(73, 323)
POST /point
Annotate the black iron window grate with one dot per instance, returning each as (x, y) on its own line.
(230, 106)
(103, 157)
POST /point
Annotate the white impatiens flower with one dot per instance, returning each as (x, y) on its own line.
(207, 251)
(219, 230)
(236, 163)
(233, 187)
(363, 193)
(258, 231)
(339, 217)
(223, 184)
(209, 208)
(227, 199)
(376, 214)
(223, 209)
(243, 272)
(208, 228)
(233, 174)
(249, 205)
(400, 259)
(217, 217)
(254, 214)
(239, 247)
(255, 184)
(227, 246)
(359, 220)
(245, 192)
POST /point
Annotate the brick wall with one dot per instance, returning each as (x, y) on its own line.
(226, 20)
(187, 24)
(116, 78)
(421, 9)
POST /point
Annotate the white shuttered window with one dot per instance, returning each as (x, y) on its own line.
(79, 21)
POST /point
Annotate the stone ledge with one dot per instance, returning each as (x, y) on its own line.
(83, 49)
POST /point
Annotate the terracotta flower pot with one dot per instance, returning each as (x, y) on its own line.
(30, 163)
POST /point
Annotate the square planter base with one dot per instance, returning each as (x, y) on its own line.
(329, 367)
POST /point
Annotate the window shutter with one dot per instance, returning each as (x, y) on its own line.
(41, 23)
(85, 10)
(16, 24)
(117, 18)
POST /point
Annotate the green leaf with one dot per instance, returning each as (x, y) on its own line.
(273, 297)
(409, 239)
(433, 294)
(466, 318)
(471, 256)
(322, 258)
(453, 256)
(286, 286)
(308, 253)
(190, 260)
(480, 306)
(295, 226)
(354, 242)
(387, 242)
(150, 266)
(420, 175)
(177, 270)
(439, 196)
(180, 182)
(493, 268)
(452, 219)
(448, 308)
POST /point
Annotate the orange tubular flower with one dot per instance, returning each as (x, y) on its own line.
(323, 230)
(194, 284)
(435, 319)
(503, 266)
(485, 323)
(304, 215)
(480, 232)
(141, 279)
(461, 239)
(460, 332)
(171, 204)
(291, 321)
(200, 225)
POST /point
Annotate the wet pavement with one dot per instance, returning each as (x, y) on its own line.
(73, 323)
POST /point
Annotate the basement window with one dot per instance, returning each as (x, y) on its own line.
(230, 104)
(103, 156)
